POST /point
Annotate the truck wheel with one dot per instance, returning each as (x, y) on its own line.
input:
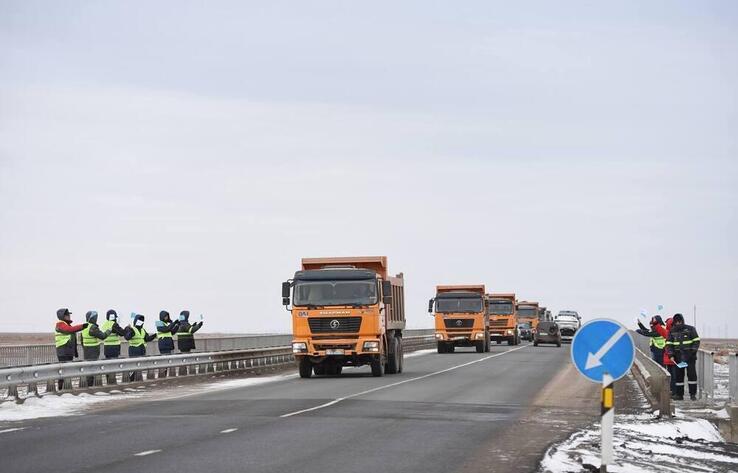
(402, 355)
(339, 368)
(558, 344)
(450, 348)
(306, 368)
(486, 345)
(393, 357)
(441, 347)
(377, 367)
(499, 341)
(479, 346)
(319, 369)
(535, 344)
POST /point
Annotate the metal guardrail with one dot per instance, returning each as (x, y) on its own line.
(705, 373)
(733, 378)
(85, 374)
(26, 355)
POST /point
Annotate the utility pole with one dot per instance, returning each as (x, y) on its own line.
(695, 316)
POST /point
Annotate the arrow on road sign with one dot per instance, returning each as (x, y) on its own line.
(593, 361)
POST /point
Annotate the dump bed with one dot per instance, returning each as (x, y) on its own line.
(462, 288)
(395, 313)
(378, 264)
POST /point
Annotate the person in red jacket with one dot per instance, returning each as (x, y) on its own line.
(668, 362)
(65, 338)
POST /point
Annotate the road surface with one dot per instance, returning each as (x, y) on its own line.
(464, 411)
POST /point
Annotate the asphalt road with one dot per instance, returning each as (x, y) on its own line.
(453, 412)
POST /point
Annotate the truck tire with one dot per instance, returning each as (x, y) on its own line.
(479, 346)
(377, 367)
(306, 368)
(441, 347)
(339, 369)
(393, 357)
(402, 355)
(319, 369)
(450, 348)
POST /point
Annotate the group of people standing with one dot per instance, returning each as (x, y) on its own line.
(674, 346)
(109, 334)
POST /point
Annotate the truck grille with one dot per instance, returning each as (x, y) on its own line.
(334, 324)
(345, 346)
(459, 323)
(498, 323)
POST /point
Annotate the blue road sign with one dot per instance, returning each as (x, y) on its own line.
(602, 346)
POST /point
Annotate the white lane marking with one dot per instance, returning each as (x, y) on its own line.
(228, 431)
(386, 386)
(147, 452)
(11, 430)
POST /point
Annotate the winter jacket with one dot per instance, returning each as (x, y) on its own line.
(166, 331)
(682, 343)
(185, 334)
(664, 332)
(70, 347)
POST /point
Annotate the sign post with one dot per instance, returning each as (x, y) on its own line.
(603, 352)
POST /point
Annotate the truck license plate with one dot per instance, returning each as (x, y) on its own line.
(334, 351)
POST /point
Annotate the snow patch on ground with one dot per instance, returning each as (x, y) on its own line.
(52, 406)
(420, 353)
(647, 445)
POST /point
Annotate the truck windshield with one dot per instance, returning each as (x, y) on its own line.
(527, 312)
(458, 305)
(332, 293)
(500, 308)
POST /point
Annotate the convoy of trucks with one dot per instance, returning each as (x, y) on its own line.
(503, 318)
(346, 312)
(460, 318)
(349, 311)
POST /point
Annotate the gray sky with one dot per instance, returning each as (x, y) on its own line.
(188, 154)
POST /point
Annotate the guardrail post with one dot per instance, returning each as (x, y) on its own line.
(13, 392)
(33, 389)
(150, 374)
(67, 384)
(51, 386)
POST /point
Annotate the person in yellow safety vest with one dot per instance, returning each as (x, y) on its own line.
(65, 336)
(165, 329)
(111, 345)
(656, 342)
(186, 332)
(92, 337)
(137, 337)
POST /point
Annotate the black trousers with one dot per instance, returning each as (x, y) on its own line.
(691, 370)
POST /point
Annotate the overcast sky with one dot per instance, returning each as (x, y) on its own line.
(172, 155)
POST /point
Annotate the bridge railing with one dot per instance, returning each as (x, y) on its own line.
(23, 381)
(705, 374)
(26, 355)
(733, 378)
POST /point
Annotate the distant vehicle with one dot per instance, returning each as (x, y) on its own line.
(525, 332)
(461, 318)
(503, 319)
(569, 322)
(547, 332)
(528, 312)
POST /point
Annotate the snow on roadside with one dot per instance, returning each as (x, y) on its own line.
(52, 406)
(646, 445)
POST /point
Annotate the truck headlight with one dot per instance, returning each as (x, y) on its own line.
(480, 336)
(510, 332)
(439, 336)
(299, 347)
(371, 346)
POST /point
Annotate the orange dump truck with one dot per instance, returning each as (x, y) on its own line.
(528, 313)
(503, 318)
(461, 318)
(346, 312)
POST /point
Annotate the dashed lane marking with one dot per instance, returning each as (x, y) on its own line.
(146, 452)
(228, 431)
(11, 430)
(387, 386)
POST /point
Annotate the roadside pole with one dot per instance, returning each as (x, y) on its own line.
(608, 417)
(603, 352)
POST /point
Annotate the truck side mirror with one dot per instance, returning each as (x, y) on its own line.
(387, 292)
(430, 306)
(286, 293)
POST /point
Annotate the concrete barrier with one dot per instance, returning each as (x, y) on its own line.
(654, 381)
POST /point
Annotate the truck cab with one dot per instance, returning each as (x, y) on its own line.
(460, 318)
(346, 312)
(528, 313)
(503, 318)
